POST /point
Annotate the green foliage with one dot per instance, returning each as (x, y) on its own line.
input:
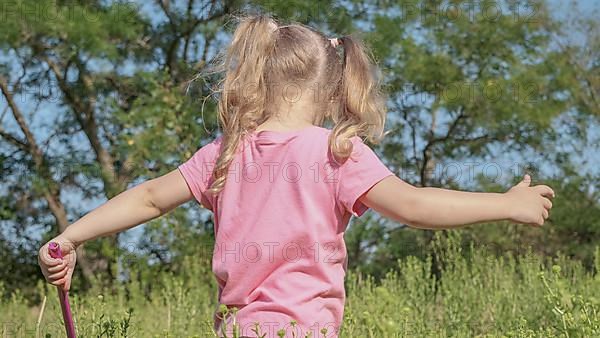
(102, 87)
(476, 295)
(463, 82)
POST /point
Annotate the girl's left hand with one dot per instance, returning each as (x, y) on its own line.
(529, 204)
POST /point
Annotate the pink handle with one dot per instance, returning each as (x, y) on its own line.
(55, 252)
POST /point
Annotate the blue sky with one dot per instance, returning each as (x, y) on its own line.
(49, 111)
(584, 4)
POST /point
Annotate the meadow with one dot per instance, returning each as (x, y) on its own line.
(465, 293)
(98, 96)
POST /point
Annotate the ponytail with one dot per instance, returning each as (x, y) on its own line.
(244, 89)
(362, 107)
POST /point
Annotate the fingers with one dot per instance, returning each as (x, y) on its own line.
(547, 203)
(69, 277)
(526, 181)
(545, 190)
(541, 218)
(46, 259)
(65, 281)
(540, 221)
(59, 282)
(58, 275)
(58, 267)
(61, 279)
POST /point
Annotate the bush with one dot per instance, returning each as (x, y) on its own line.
(476, 294)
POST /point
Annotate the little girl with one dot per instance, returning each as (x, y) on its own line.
(282, 187)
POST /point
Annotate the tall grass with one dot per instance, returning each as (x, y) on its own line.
(472, 294)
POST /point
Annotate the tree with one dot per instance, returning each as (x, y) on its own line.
(98, 98)
(86, 84)
(469, 81)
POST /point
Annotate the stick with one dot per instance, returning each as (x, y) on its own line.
(39, 321)
(63, 296)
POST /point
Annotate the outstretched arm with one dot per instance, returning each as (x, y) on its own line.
(436, 208)
(132, 207)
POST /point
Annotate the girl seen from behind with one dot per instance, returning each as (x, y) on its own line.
(282, 187)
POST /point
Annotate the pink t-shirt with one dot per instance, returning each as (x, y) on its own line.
(279, 226)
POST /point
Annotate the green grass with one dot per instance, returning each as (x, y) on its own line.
(476, 295)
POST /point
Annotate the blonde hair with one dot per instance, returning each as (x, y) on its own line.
(263, 53)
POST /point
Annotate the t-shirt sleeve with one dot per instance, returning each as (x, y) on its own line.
(359, 173)
(197, 172)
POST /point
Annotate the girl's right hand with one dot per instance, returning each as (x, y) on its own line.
(58, 271)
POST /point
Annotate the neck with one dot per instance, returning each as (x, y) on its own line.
(288, 115)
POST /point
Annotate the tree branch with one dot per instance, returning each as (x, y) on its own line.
(88, 123)
(435, 140)
(19, 117)
(14, 140)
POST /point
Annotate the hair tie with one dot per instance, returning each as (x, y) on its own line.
(335, 42)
